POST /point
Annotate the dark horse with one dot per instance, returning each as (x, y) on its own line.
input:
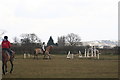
(5, 58)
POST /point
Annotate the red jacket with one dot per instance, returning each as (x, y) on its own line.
(6, 44)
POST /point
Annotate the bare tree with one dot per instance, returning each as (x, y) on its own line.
(16, 40)
(25, 39)
(1, 33)
(33, 38)
(30, 38)
(73, 39)
(61, 41)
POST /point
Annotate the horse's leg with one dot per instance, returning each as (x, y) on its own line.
(48, 55)
(44, 55)
(11, 66)
(37, 56)
(3, 69)
(6, 67)
(34, 54)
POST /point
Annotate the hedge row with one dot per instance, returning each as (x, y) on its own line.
(61, 50)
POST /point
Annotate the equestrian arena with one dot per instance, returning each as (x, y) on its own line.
(59, 66)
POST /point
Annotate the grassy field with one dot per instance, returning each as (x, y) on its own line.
(60, 67)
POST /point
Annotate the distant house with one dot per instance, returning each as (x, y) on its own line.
(101, 43)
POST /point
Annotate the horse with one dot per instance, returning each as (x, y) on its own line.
(37, 51)
(5, 58)
(47, 52)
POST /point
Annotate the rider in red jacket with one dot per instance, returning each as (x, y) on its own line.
(6, 45)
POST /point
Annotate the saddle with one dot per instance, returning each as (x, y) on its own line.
(8, 55)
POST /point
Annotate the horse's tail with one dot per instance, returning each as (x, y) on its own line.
(13, 53)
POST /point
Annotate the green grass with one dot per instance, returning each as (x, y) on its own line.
(60, 67)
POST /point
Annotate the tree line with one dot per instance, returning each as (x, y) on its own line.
(29, 42)
(68, 40)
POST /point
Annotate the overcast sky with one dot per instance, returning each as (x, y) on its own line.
(90, 19)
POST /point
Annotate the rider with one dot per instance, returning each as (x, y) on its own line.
(6, 45)
(43, 47)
